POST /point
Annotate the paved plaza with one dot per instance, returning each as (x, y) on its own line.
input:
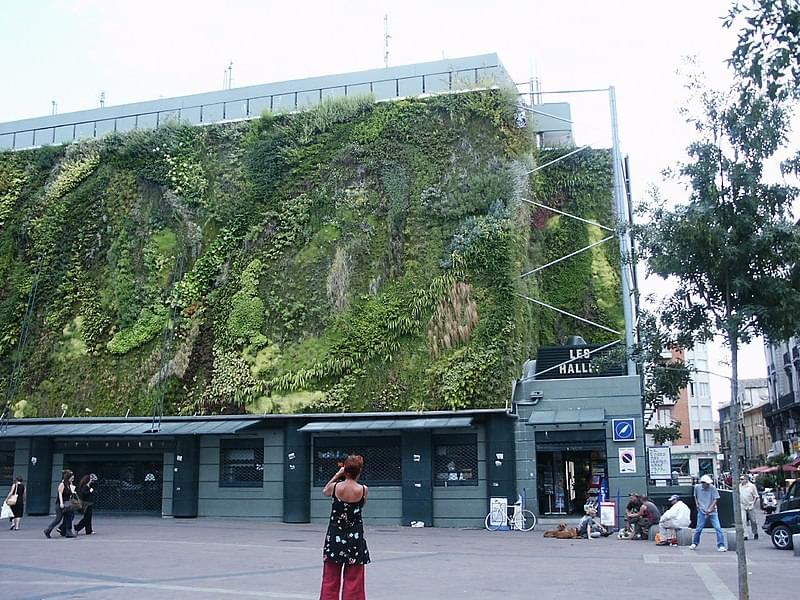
(216, 558)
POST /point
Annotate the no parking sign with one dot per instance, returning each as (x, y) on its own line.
(627, 460)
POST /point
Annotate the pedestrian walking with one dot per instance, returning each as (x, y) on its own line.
(705, 498)
(64, 494)
(748, 496)
(86, 494)
(16, 502)
(345, 552)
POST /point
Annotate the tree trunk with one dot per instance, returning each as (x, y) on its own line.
(741, 554)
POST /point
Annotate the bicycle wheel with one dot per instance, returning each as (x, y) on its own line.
(493, 526)
(526, 520)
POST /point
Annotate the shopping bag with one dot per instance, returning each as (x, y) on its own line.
(6, 512)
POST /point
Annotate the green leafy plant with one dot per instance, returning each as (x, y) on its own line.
(147, 326)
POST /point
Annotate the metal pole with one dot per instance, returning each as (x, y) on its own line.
(620, 205)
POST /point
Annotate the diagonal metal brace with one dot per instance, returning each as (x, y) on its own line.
(570, 255)
(569, 314)
(559, 159)
(571, 216)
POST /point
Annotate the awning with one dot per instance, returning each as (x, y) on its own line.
(787, 468)
(126, 428)
(568, 416)
(383, 424)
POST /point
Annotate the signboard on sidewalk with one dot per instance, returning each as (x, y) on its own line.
(660, 461)
(608, 514)
(627, 460)
(498, 511)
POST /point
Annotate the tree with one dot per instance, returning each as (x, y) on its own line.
(667, 433)
(733, 246)
(766, 56)
(662, 378)
(780, 461)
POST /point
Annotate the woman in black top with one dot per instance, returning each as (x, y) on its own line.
(66, 489)
(86, 493)
(345, 552)
(18, 508)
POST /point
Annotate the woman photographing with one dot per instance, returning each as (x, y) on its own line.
(345, 552)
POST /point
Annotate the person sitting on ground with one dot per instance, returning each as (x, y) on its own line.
(632, 511)
(588, 527)
(677, 516)
(648, 515)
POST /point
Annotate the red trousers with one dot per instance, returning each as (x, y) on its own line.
(340, 581)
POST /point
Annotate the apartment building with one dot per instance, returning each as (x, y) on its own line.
(695, 453)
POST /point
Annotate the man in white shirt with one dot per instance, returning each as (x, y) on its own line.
(748, 495)
(675, 517)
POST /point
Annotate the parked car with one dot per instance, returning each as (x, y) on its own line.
(786, 522)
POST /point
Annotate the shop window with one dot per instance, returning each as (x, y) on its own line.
(680, 465)
(706, 466)
(6, 467)
(381, 459)
(455, 460)
(241, 463)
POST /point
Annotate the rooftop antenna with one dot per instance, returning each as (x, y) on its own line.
(54, 107)
(227, 78)
(386, 37)
(102, 98)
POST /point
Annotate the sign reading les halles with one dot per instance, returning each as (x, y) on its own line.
(568, 362)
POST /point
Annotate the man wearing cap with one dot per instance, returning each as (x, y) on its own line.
(748, 494)
(677, 516)
(705, 498)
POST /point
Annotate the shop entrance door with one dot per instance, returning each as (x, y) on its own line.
(568, 478)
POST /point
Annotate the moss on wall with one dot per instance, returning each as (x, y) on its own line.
(357, 256)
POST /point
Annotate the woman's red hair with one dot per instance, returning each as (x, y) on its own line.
(353, 465)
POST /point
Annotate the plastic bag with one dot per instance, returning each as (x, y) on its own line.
(6, 512)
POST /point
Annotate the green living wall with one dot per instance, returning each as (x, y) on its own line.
(354, 257)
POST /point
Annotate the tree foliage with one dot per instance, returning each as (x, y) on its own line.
(667, 433)
(733, 246)
(766, 55)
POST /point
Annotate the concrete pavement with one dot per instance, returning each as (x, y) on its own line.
(217, 558)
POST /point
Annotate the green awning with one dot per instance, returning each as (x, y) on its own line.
(126, 428)
(383, 424)
(568, 416)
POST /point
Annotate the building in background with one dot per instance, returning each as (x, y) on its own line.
(695, 452)
(757, 442)
(782, 415)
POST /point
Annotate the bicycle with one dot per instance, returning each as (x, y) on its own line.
(520, 519)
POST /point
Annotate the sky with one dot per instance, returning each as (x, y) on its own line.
(69, 51)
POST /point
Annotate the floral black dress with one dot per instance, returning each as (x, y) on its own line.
(345, 541)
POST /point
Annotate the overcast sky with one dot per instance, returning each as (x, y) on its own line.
(68, 51)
